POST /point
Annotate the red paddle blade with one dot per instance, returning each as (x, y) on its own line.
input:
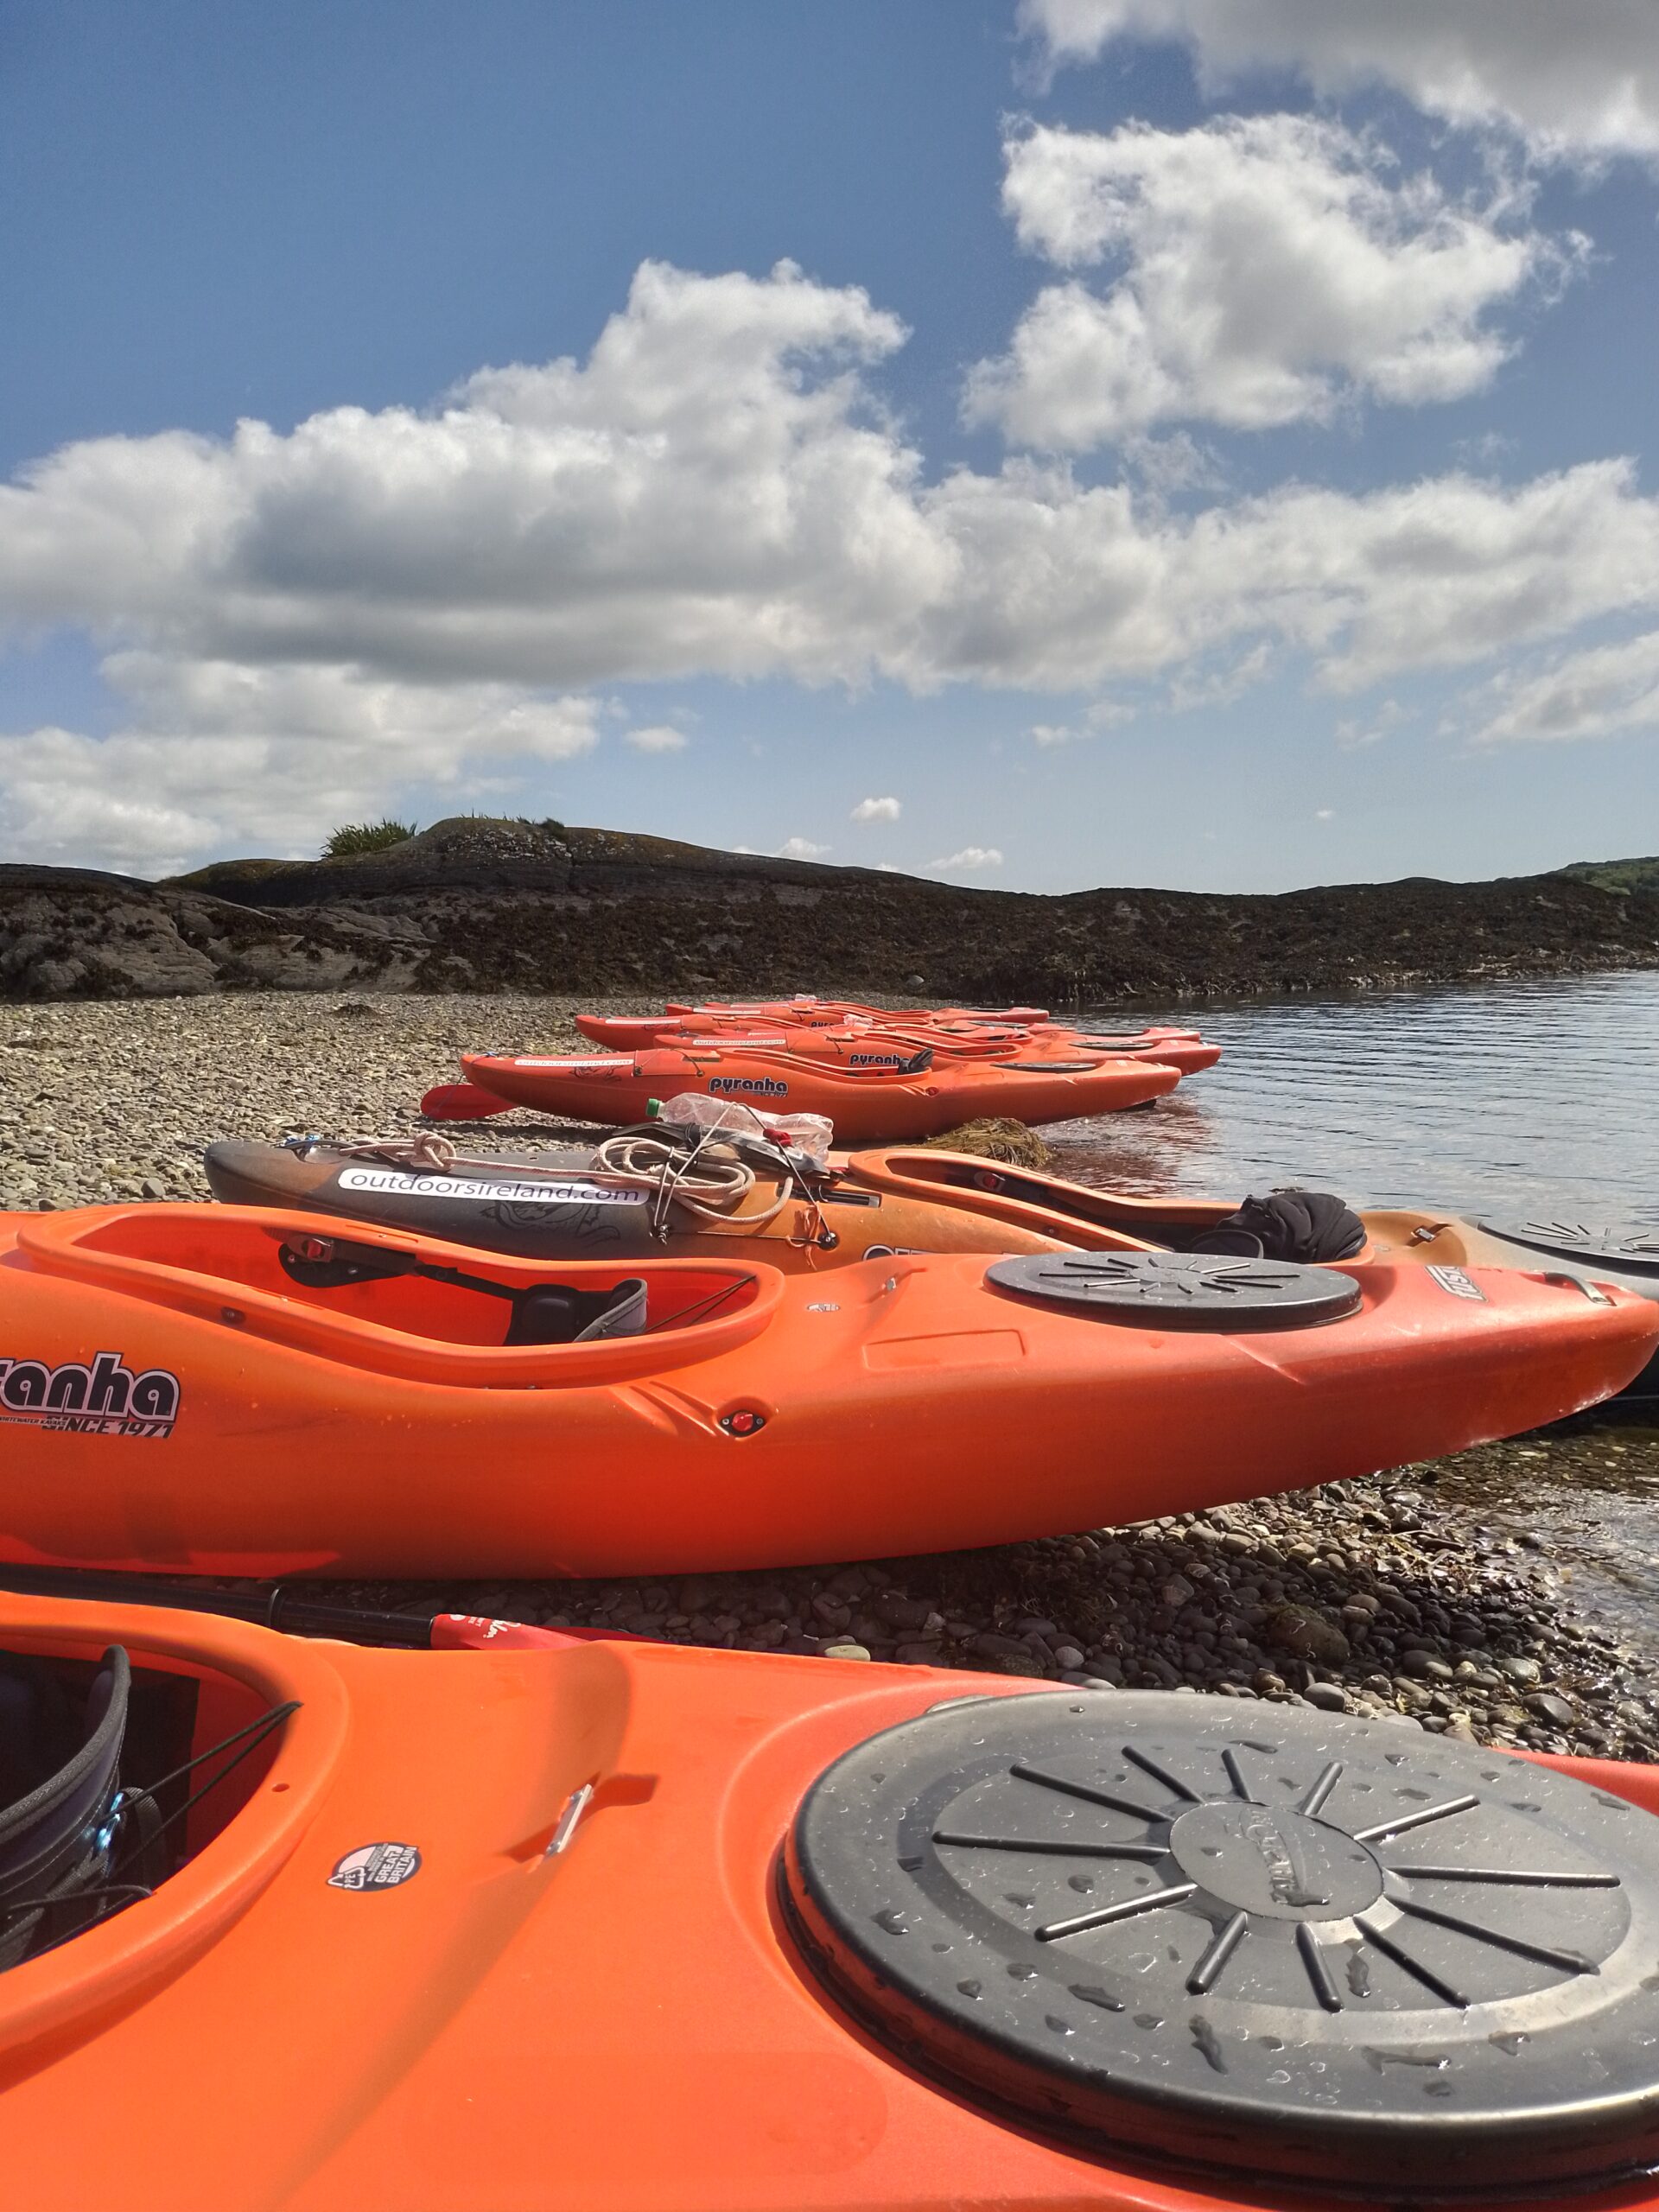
(476, 1632)
(462, 1102)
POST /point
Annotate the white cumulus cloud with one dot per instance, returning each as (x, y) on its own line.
(801, 849)
(266, 758)
(703, 494)
(303, 626)
(1267, 267)
(658, 737)
(970, 857)
(1596, 692)
(1575, 77)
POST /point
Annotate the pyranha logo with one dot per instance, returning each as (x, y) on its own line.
(106, 1399)
(757, 1086)
(875, 1060)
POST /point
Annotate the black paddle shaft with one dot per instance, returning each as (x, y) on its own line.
(279, 1607)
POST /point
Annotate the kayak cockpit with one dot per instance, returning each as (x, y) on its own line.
(119, 1765)
(402, 1304)
(1071, 1211)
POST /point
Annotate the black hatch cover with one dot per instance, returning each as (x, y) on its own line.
(1182, 1290)
(1277, 1943)
(1633, 1252)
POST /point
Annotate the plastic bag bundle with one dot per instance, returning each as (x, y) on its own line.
(809, 1136)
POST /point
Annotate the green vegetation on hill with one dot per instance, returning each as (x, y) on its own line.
(1616, 876)
(366, 837)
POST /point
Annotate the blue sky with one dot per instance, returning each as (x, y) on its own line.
(1202, 442)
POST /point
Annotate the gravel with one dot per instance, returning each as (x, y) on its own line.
(116, 1100)
(1329, 1598)
(1391, 1596)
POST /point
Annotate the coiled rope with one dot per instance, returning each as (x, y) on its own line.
(707, 1179)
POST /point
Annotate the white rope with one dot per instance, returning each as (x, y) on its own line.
(709, 1181)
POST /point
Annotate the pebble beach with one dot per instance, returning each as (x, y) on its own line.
(1404, 1595)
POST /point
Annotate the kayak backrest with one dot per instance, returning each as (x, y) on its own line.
(561, 1313)
(58, 1763)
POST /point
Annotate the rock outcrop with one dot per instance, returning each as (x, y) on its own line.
(477, 905)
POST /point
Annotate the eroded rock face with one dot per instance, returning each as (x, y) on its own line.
(66, 934)
(472, 904)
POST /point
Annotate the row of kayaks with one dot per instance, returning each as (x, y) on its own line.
(562, 1922)
(877, 1074)
(718, 1353)
(568, 1924)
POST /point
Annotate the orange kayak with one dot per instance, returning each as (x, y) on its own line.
(622, 1928)
(551, 1206)
(864, 1095)
(869, 1044)
(810, 1012)
(228, 1391)
(952, 1035)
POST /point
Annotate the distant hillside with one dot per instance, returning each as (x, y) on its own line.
(1616, 875)
(480, 905)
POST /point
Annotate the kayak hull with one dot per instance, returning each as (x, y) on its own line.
(909, 1405)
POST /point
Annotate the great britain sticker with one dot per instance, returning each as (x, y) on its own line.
(104, 1397)
(375, 1867)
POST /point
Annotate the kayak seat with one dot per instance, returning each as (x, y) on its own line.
(554, 1313)
(58, 1790)
(544, 1313)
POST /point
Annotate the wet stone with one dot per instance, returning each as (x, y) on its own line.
(1555, 1710)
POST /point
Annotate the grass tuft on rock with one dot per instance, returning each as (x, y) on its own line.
(996, 1137)
(366, 837)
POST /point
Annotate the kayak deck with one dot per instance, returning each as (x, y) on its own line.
(586, 1985)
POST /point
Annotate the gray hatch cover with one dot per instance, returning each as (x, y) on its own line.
(1271, 1943)
(1181, 1290)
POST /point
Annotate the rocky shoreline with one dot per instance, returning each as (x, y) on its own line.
(1363, 1598)
(499, 906)
(1393, 1595)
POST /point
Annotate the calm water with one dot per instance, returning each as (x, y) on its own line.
(1508, 1101)
(1502, 1100)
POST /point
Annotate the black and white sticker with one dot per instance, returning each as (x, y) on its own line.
(746, 1086)
(105, 1398)
(1459, 1285)
(375, 1867)
(389, 1182)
